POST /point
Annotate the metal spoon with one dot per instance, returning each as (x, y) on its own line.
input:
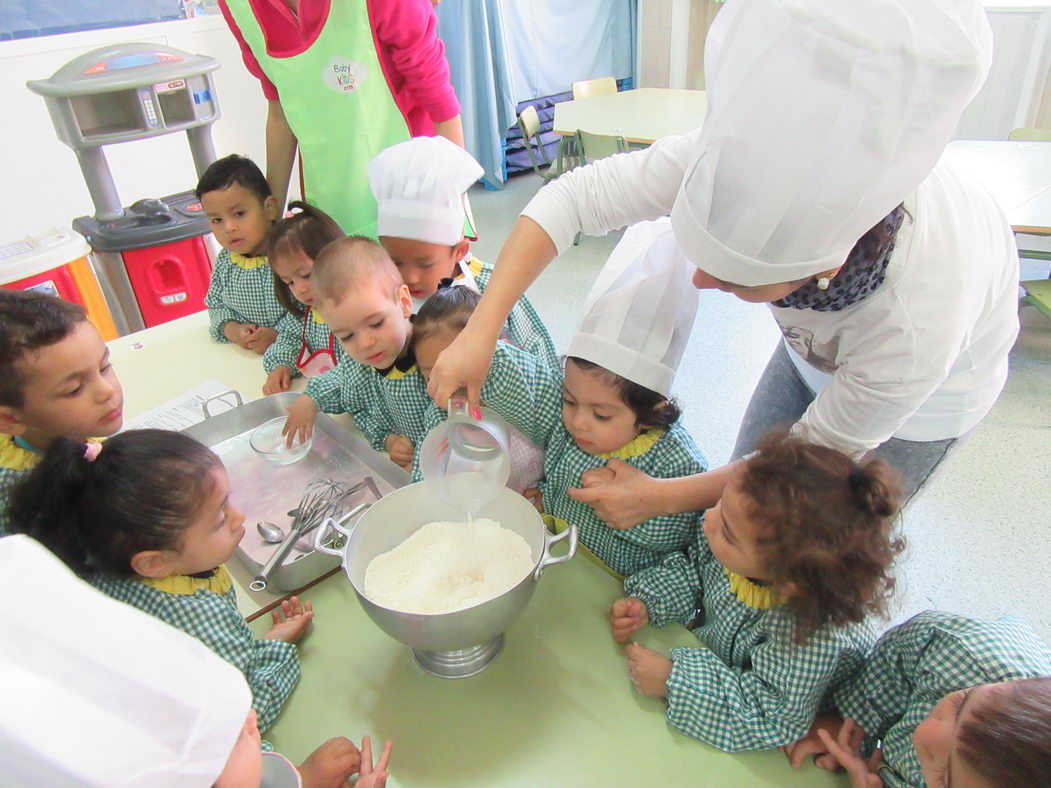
(271, 533)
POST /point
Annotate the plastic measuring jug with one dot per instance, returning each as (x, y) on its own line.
(465, 459)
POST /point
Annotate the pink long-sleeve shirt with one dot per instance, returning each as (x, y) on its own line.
(405, 35)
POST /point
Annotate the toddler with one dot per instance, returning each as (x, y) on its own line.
(55, 381)
(778, 584)
(146, 704)
(357, 289)
(942, 695)
(146, 518)
(425, 224)
(304, 342)
(242, 307)
(441, 318)
(613, 400)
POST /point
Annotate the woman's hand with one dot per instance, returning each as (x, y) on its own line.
(624, 500)
(846, 748)
(462, 365)
(649, 670)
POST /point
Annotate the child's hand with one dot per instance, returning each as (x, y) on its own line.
(846, 748)
(649, 670)
(535, 497)
(331, 764)
(370, 776)
(291, 621)
(300, 421)
(400, 449)
(626, 616)
(260, 339)
(811, 744)
(596, 477)
(238, 333)
(279, 380)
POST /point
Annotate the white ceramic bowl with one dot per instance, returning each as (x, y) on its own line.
(268, 442)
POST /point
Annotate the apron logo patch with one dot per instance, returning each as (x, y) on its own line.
(343, 75)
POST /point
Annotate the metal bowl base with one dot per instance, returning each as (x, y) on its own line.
(461, 663)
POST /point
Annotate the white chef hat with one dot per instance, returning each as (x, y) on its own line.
(822, 116)
(420, 187)
(639, 313)
(96, 692)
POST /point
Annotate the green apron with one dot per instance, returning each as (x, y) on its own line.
(338, 104)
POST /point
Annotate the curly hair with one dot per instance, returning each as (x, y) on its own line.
(650, 408)
(829, 533)
(1007, 740)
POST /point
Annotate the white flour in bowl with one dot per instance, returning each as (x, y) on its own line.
(443, 567)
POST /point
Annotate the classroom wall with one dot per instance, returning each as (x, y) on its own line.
(41, 179)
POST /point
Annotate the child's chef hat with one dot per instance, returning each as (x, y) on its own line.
(823, 115)
(639, 313)
(96, 692)
(420, 187)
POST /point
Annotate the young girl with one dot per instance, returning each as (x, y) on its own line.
(304, 344)
(441, 318)
(146, 518)
(942, 695)
(778, 586)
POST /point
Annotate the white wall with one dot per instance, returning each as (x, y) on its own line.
(41, 181)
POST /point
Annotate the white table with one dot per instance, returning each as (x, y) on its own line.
(640, 116)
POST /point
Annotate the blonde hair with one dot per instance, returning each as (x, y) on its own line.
(350, 262)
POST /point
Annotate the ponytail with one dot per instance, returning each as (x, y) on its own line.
(139, 493)
(307, 231)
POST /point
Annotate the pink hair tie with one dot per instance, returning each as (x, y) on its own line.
(91, 451)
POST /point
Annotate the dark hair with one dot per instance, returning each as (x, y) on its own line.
(29, 321)
(650, 408)
(1007, 740)
(829, 528)
(225, 172)
(879, 239)
(140, 493)
(307, 231)
(449, 307)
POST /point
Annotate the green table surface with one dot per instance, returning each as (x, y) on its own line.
(555, 708)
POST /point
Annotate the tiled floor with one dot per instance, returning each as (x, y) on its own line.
(979, 536)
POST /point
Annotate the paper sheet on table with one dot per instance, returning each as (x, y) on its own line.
(186, 409)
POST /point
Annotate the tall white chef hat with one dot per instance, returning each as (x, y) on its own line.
(822, 116)
(420, 187)
(96, 692)
(639, 313)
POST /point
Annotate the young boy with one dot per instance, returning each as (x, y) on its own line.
(242, 307)
(360, 295)
(55, 381)
(424, 223)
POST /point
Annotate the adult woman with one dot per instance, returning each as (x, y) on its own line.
(824, 126)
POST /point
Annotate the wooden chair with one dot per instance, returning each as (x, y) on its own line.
(594, 87)
(529, 125)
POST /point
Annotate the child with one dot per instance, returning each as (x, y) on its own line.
(357, 289)
(304, 342)
(613, 400)
(241, 304)
(942, 694)
(55, 381)
(441, 318)
(424, 223)
(146, 518)
(778, 586)
(149, 705)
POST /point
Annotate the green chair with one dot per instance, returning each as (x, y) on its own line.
(1037, 291)
(529, 125)
(594, 87)
(592, 147)
(1030, 135)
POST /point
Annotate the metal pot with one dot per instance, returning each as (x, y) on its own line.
(450, 645)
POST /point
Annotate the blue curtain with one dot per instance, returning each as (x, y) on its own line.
(476, 47)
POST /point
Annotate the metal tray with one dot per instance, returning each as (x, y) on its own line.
(267, 491)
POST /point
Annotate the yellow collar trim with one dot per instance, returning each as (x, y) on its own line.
(474, 265)
(14, 456)
(397, 374)
(316, 317)
(247, 263)
(219, 583)
(638, 445)
(755, 596)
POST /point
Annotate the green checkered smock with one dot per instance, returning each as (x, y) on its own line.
(381, 404)
(528, 393)
(916, 664)
(524, 326)
(271, 667)
(242, 290)
(290, 337)
(753, 687)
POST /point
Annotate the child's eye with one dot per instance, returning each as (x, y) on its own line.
(240, 213)
(215, 220)
(568, 403)
(105, 368)
(378, 323)
(73, 392)
(600, 417)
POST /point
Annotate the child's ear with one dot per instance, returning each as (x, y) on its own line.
(404, 300)
(271, 208)
(10, 421)
(152, 563)
(461, 249)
